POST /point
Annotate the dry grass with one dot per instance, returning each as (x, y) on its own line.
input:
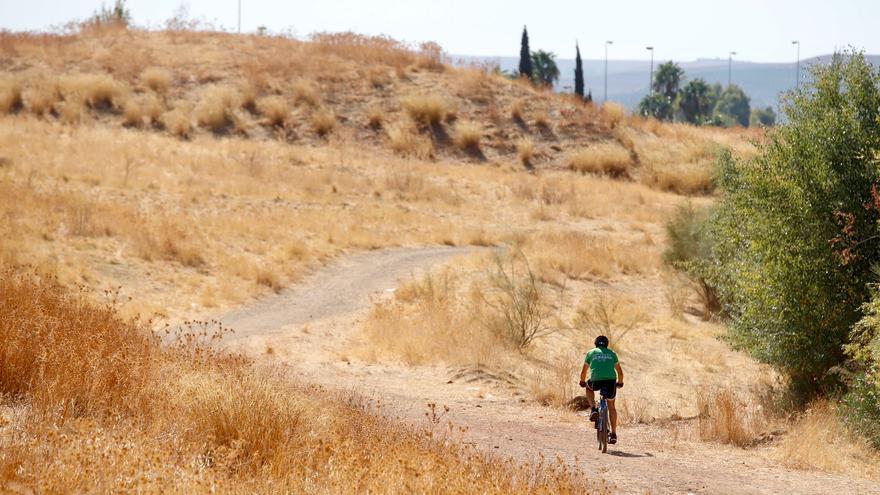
(725, 418)
(819, 440)
(426, 109)
(40, 98)
(525, 150)
(375, 117)
(405, 140)
(323, 121)
(582, 256)
(98, 91)
(216, 106)
(118, 412)
(10, 95)
(274, 108)
(142, 110)
(157, 79)
(177, 122)
(687, 179)
(604, 159)
(613, 113)
(517, 110)
(542, 119)
(71, 111)
(304, 93)
(467, 135)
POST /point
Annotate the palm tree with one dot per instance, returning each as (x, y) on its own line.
(694, 101)
(667, 79)
(544, 67)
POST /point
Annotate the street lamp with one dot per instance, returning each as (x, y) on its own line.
(729, 66)
(651, 80)
(239, 16)
(798, 66)
(606, 68)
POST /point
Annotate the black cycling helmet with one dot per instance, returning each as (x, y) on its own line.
(601, 341)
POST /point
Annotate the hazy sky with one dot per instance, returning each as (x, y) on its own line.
(679, 29)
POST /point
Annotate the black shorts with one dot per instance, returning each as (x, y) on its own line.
(607, 388)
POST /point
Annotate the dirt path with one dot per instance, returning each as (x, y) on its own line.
(309, 326)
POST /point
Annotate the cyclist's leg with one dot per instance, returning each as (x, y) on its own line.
(609, 391)
(591, 396)
(612, 414)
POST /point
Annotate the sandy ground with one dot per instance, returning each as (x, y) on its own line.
(311, 326)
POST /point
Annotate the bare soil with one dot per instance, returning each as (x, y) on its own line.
(310, 328)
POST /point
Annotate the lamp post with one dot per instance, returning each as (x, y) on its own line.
(239, 16)
(651, 80)
(606, 68)
(729, 67)
(797, 69)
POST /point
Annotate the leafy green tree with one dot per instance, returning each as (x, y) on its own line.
(656, 105)
(763, 117)
(667, 80)
(733, 107)
(544, 65)
(578, 72)
(525, 56)
(117, 14)
(694, 102)
(797, 230)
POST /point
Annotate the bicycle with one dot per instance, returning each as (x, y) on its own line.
(602, 425)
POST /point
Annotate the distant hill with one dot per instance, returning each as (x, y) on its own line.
(628, 79)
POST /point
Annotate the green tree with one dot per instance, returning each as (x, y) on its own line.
(694, 102)
(578, 72)
(667, 80)
(544, 65)
(525, 56)
(796, 232)
(117, 14)
(733, 107)
(656, 105)
(763, 117)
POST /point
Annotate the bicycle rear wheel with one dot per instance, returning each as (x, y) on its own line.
(602, 430)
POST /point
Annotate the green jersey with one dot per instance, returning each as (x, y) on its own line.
(602, 361)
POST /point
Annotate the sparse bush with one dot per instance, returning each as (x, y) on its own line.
(10, 95)
(426, 109)
(525, 149)
(405, 140)
(542, 119)
(304, 93)
(690, 250)
(613, 113)
(98, 91)
(71, 111)
(323, 122)
(157, 79)
(468, 135)
(679, 179)
(40, 98)
(602, 159)
(517, 110)
(375, 117)
(177, 122)
(143, 109)
(725, 419)
(215, 108)
(274, 109)
(613, 316)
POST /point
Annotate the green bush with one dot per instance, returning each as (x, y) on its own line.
(862, 406)
(796, 231)
(690, 249)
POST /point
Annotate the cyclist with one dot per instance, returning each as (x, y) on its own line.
(606, 376)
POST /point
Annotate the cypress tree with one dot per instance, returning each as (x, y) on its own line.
(578, 72)
(525, 56)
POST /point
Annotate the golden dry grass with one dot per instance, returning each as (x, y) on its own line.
(405, 140)
(426, 109)
(10, 94)
(142, 109)
(304, 92)
(216, 106)
(613, 113)
(177, 122)
(119, 412)
(726, 418)
(157, 79)
(467, 135)
(273, 108)
(323, 121)
(604, 159)
(525, 150)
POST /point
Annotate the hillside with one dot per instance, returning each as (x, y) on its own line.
(342, 230)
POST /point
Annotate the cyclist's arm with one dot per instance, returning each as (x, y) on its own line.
(619, 373)
(584, 372)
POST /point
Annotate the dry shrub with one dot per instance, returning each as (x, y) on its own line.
(142, 109)
(818, 439)
(98, 91)
(525, 149)
(542, 119)
(70, 359)
(474, 84)
(269, 278)
(603, 159)
(552, 385)
(156, 79)
(177, 122)
(677, 291)
(375, 116)
(169, 242)
(726, 419)
(467, 135)
(10, 95)
(680, 179)
(611, 315)
(40, 98)
(426, 109)
(273, 108)
(216, 106)
(71, 111)
(428, 321)
(379, 77)
(517, 110)
(304, 92)
(405, 140)
(613, 113)
(581, 255)
(323, 121)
